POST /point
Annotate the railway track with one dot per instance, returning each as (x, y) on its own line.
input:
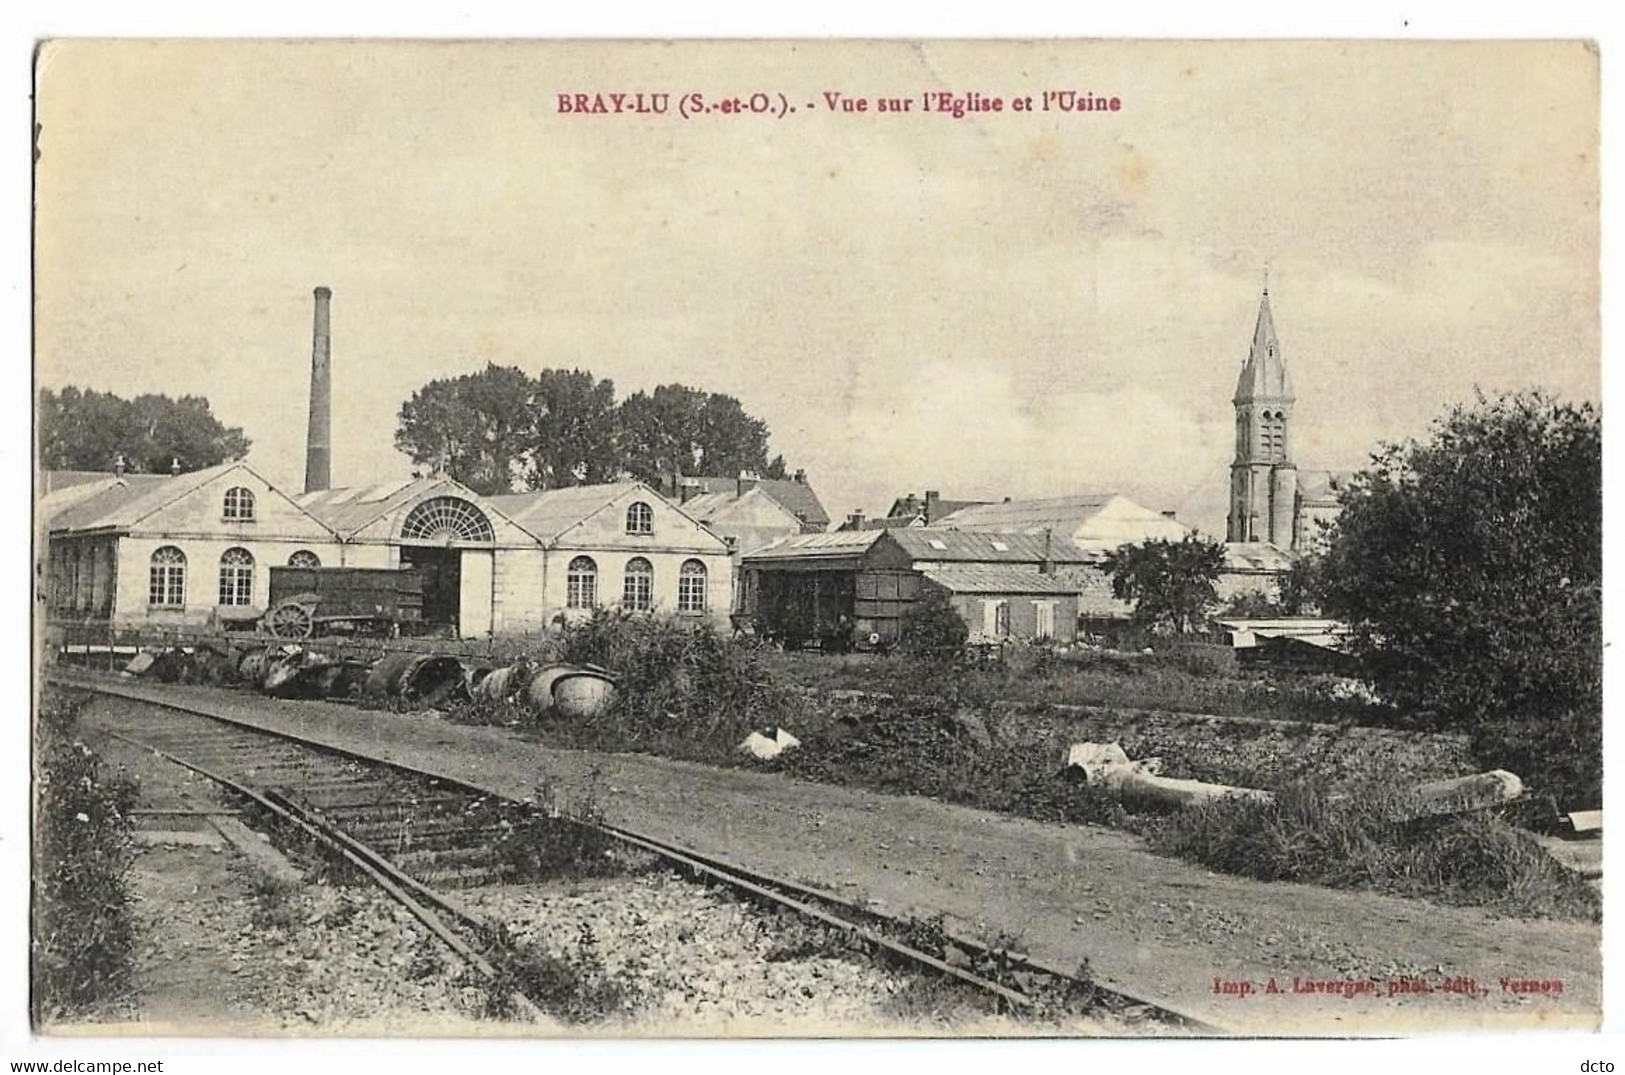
(422, 837)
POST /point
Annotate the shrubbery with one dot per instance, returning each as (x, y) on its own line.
(932, 629)
(83, 931)
(681, 690)
(1364, 840)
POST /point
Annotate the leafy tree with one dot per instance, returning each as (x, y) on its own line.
(478, 428)
(80, 429)
(1469, 570)
(684, 430)
(1171, 583)
(573, 415)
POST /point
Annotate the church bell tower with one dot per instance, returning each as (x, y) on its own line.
(1263, 478)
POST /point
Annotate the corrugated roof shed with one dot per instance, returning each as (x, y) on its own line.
(829, 546)
(995, 578)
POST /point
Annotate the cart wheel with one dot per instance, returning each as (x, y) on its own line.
(290, 620)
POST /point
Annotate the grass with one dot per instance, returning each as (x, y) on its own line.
(1364, 841)
(83, 934)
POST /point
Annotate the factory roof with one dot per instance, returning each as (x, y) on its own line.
(548, 513)
(797, 497)
(933, 543)
(121, 501)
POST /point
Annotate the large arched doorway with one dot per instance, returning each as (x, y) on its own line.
(449, 540)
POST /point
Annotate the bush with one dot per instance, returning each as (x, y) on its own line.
(83, 931)
(681, 690)
(932, 628)
(1365, 840)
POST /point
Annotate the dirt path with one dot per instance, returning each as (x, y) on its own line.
(1166, 929)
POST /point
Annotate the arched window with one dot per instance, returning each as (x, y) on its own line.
(166, 578)
(640, 519)
(304, 558)
(447, 518)
(638, 590)
(236, 577)
(691, 587)
(582, 583)
(240, 504)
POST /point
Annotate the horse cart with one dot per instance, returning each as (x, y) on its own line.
(310, 601)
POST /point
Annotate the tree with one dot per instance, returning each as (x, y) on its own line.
(80, 429)
(1172, 584)
(478, 428)
(1469, 571)
(573, 416)
(677, 429)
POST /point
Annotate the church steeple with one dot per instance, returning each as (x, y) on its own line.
(1263, 479)
(1264, 377)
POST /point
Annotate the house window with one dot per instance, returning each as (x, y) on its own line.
(239, 504)
(582, 583)
(236, 577)
(166, 578)
(691, 587)
(304, 558)
(638, 590)
(640, 519)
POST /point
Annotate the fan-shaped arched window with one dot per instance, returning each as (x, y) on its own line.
(166, 578)
(582, 583)
(304, 558)
(691, 587)
(236, 577)
(240, 504)
(638, 590)
(640, 519)
(447, 518)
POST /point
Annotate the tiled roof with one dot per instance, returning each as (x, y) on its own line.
(1060, 512)
(1254, 557)
(351, 508)
(550, 512)
(937, 543)
(995, 578)
(798, 498)
(130, 499)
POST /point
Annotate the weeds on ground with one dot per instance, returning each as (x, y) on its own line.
(1369, 839)
(83, 930)
(273, 902)
(574, 985)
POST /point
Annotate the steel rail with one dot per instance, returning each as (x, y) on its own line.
(763, 886)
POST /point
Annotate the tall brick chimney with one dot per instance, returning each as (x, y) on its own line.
(318, 440)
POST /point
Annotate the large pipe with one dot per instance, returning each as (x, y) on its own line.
(318, 440)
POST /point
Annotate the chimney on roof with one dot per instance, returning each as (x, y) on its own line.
(931, 499)
(1046, 566)
(318, 437)
(1170, 513)
(746, 482)
(687, 489)
(801, 476)
(1007, 500)
(855, 520)
(118, 465)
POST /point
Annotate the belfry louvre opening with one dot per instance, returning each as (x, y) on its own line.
(447, 518)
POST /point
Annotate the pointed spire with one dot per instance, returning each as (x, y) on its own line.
(1264, 376)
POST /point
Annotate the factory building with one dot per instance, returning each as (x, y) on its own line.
(196, 550)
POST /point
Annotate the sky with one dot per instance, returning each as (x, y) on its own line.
(1004, 304)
